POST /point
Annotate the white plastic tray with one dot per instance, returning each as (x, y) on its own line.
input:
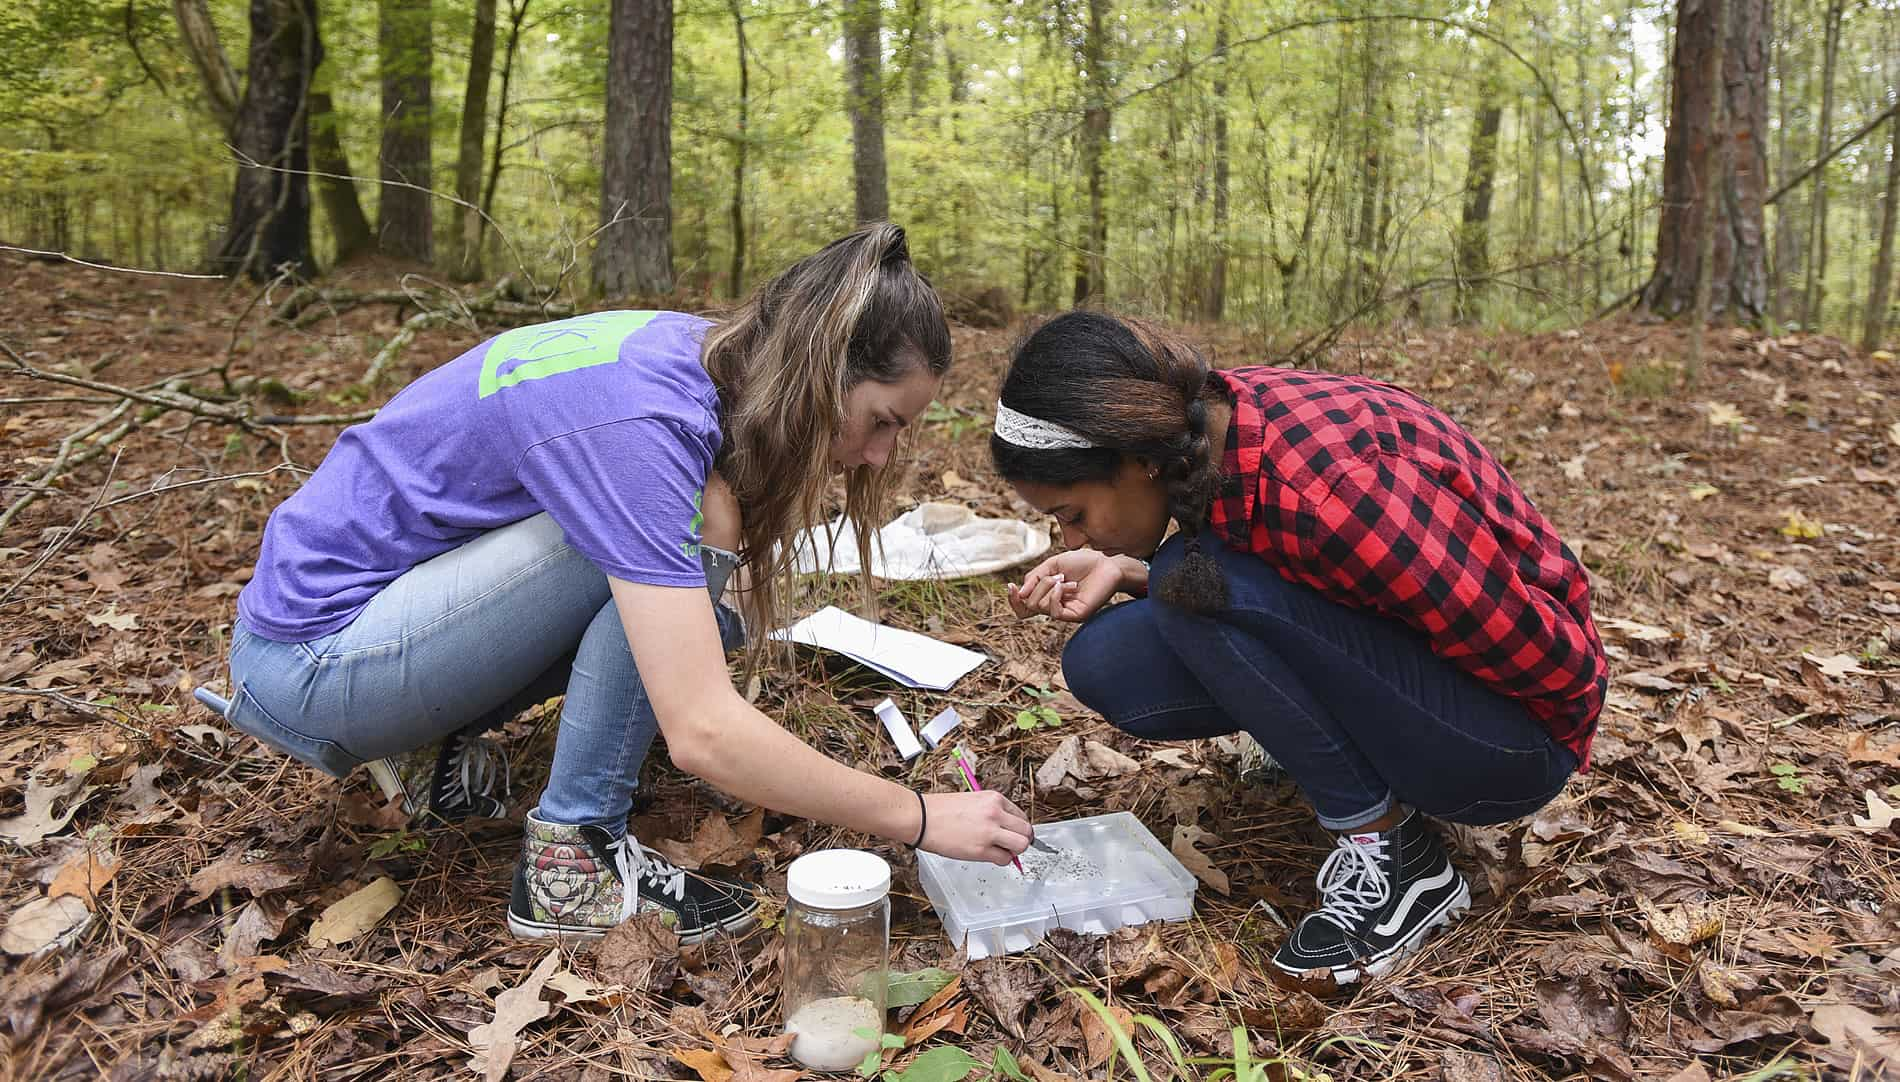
(1107, 871)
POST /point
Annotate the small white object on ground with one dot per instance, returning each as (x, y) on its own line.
(829, 1033)
(941, 726)
(929, 541)
(896, 724)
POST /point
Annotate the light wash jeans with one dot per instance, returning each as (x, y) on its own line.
(510, 619)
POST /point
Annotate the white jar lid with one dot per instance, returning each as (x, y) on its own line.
(838, 879)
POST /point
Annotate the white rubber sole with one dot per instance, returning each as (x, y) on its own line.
(1380, 964)
(568, 935)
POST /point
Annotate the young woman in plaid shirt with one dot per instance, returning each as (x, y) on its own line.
(1355, 582)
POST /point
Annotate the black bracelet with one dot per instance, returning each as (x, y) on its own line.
(923, 821)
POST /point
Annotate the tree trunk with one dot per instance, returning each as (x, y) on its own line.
(1216, 302)
(336, 185)
(921, 49)
(405, 222)
(1878, 291)
(1091, 257)
(1472, 250)
(466, 263)
(1815, 295)
(634, 252)
(270, 201)
(735, 281)
(517, 14)
(200, 36)
(864, 100)
(1712, 166)
(1787, 254)
(1737, 260)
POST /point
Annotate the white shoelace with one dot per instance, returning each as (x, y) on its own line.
(1352, 882)
(637, 862)
(477, 762)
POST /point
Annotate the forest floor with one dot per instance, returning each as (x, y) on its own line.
(1718, 898)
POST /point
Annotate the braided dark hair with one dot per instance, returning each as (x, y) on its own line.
(1133, 390)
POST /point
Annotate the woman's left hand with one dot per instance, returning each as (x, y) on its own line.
(1068, 586)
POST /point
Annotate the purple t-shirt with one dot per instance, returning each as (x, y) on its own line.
(605, 421)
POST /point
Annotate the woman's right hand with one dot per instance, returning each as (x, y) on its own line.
(1068, 586)
(975, 826)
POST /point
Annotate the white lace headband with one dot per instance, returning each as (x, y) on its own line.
(1034, 433)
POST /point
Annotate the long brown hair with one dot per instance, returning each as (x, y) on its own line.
(1131, 389)
(783, 361)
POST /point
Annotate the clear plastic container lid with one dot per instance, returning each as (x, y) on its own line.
(1107, 871)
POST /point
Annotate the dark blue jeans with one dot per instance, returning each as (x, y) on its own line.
(1353, 705)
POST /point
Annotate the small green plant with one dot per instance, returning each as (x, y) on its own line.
(1651, 380)
(1788, 777)
(945, 1064)
(400, 841)
(1041, 715)
(958, 421)
(1241, 1067)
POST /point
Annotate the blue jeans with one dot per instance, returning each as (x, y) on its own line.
(1353, 705)
(474, 636)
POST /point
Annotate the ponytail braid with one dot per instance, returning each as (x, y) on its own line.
(1190, 472)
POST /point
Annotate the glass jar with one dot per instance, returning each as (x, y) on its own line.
(836, 956)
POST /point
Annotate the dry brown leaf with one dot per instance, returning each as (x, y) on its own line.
(641, 953)
(1880, 814)
(716, 841)
(707, 1063)
(1788, 579)
(1868, 1038)
(253, 877)
(260, 919)
(350, 917)
(575, 988)
(1680, 925)
(1097, 1037)
(32, 826)
(1455, 1066)
(1838, 665)
(494, 1042)
(83, 876)
(1006, 987)
(44, 924)
(1694, 1072)
(1185, 838)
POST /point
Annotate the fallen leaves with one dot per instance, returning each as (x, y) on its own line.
(254, 877)
(44, 924)
(1867, 1039)
(39, 820)
(1078, 760)
(350, 917)
(716, 841)
(1006, 987)
(641, 953)
(1880, 814)
(494, 1042)
(1186, 836)
(83, 876)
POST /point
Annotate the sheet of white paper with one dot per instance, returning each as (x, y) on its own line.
(913, 660)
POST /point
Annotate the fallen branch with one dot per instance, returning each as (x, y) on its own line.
(495, 300)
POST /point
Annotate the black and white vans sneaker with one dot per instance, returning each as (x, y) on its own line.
(463, 775)
(575, 883)
(1381, 893)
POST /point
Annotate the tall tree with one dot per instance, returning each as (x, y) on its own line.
(1815, 295)
(1879, 290)
(200, 36)
(1738, 267)
(1471, 254)
(864, 100)
(336, 185)
(1216, 301)
(1091, 256)
(405, 221)
(634, 252)
(466, 263)
(735, 279)
(269, 227)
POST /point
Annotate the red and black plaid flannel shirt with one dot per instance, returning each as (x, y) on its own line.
(1369, 495)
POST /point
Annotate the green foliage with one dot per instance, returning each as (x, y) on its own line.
(1347, 132)
(400, 841)
(1788, 778)
(910, 989)
(1041, 715)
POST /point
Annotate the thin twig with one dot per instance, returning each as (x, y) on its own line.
(98, 710)
(70, 532)
(107, 266)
